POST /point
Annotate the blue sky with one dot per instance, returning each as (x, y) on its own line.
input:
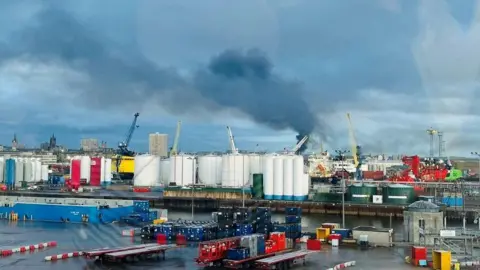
(83, 68)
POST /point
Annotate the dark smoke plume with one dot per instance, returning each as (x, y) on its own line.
(304, 146)
(233, 79)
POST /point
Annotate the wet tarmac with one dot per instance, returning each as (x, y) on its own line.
(78, 237)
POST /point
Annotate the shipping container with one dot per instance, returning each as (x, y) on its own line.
(95, 171)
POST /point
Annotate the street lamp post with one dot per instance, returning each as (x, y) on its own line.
(342, 153)
(477, 155)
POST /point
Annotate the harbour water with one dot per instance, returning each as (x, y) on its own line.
(77, 237)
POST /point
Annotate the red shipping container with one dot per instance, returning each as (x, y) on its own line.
(181, 240)
(314, 244)
(419, 253)
(335, 236)
(161, 239)
(217, 249)
(141, 189)
(75, 172)
(95, 171)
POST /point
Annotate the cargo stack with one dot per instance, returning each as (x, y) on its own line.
(293, 223)
(191, 230)
(226, 224)
(262, 220)
(238, 253)
(255, 243)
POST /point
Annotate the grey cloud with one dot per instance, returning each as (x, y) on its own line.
(233, 79)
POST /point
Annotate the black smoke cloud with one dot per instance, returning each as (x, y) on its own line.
(233, 79)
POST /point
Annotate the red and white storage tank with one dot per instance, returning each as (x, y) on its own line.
(85, 168)
(95, 171)
(75, 171)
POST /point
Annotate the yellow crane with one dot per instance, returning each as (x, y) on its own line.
(173, 151)
(353, 140)
(355, 149)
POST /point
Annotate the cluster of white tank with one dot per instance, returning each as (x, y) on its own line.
(26, 170)
(285, 178)
(151, 171)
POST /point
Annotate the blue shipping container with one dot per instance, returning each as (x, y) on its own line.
(452, 201)
(238, 254)
(244, 229)
(260, 244)
(345, 233)
(293, 211)
(293, 219)
(10, 172)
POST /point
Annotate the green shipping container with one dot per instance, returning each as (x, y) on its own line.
(398, 194)
(359, 193)
(328, 197)
(257, 188)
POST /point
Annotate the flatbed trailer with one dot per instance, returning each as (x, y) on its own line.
(283, 261)
(249, 262)
(138, 254)
(96, 253)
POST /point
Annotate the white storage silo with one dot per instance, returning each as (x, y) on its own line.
(278, 177)
(306, 186)
(38, 170)
(256, 165)
(44, 173)
(102, 171)
(183, 170)
(34, 169)
(147, 170)
(288, 178)
(107, 175)
(209, 170)
(268, 177)
(2, 170)
(298, 179)
(85, 163)
(165, 171)
(19, 171)
(235, 170)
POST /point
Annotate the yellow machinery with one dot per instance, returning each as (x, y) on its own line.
(127, 166)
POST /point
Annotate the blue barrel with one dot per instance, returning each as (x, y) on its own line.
(61, 180)
(10, 172)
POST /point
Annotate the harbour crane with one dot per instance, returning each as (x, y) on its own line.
(356, 150)
(123, 145)
(231, 140)
(299, 145)
(174, 149)
(431, 133)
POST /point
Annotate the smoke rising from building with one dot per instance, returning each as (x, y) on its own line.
(240, 80)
